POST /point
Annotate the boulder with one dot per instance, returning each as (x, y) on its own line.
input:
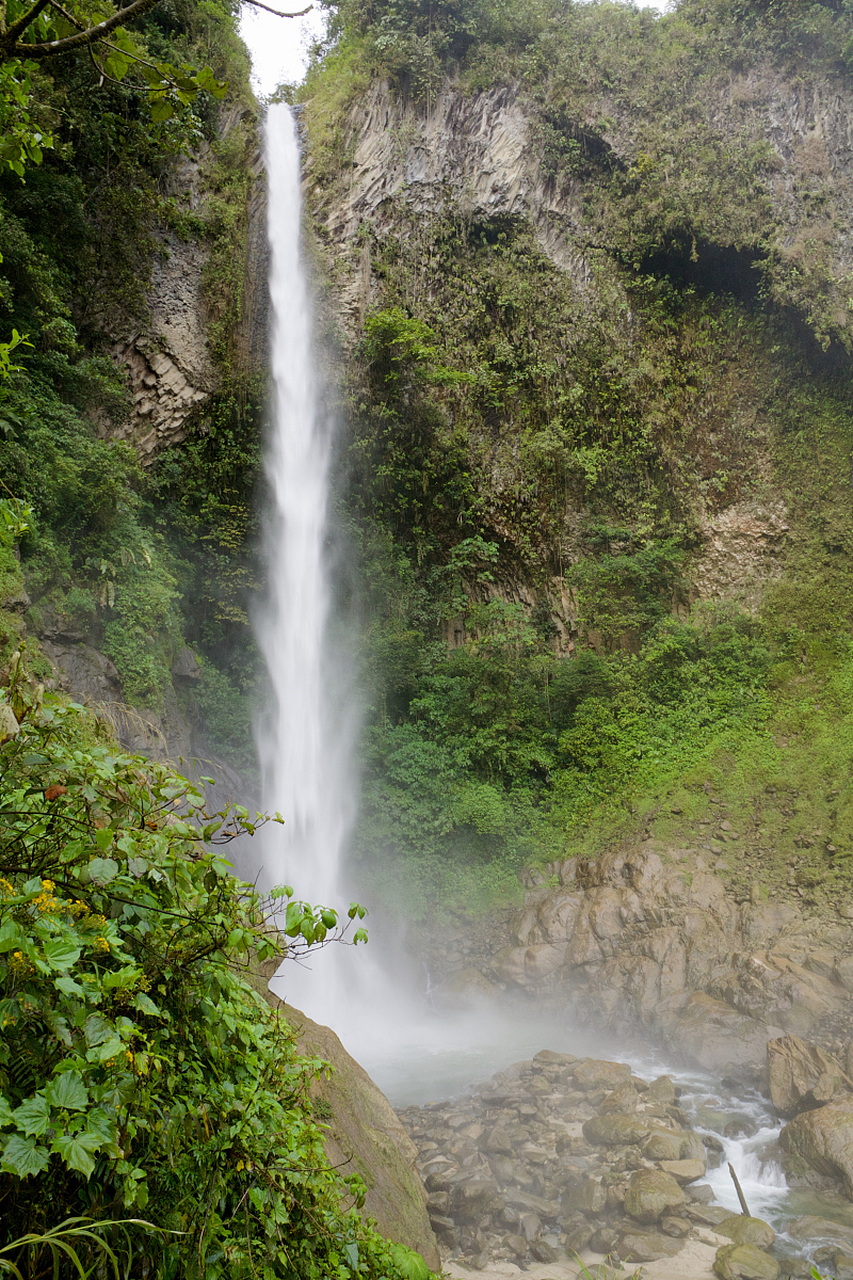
(745, 1262)
(591, 1073)
(801, 1076)
(824, 1139)
(586, 1196)
(663, 1144)
(366, 1137)
(651, 1193)
(718, 1036)
(744, 1230)
(647, 1246)
(615, 1130)
(474, 1197)
(684, 1171)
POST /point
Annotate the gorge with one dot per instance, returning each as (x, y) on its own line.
(581, 281)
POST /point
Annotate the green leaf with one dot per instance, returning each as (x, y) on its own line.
(409, 1263)
(145, 1004)
(33, 1116)
(103, 839)
(23, 1157)
(67, 1091)
(102, 870)
(161, 109)
(5, 1111)
(11, 935)
(75, 1150)
(97, 1029)
(61, 953)
(109, 1049)
(67, 985)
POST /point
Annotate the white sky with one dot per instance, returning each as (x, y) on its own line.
(279, 46)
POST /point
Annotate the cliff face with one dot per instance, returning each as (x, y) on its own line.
(591, 286)
(477, 158)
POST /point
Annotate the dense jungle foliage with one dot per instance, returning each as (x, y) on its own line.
(150, 1100)
(534, 456)
(133, 562)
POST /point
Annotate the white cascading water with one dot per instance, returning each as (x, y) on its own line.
(305, 739)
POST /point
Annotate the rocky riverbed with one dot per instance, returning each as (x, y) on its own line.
(562, 1156)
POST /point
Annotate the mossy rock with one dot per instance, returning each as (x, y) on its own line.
(745, 1262)
(744, 1230)
(650, 1193)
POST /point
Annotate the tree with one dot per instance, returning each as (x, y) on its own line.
(35, 34)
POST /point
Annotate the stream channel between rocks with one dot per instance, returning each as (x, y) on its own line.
(530, 1132)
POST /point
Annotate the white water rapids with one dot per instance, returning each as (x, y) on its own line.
(306, 747)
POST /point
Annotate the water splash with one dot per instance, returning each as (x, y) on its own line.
(305, 738)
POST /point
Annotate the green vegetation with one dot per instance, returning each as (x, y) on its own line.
(107, 556)
(143, 1082)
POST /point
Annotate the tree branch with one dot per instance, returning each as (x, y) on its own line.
(53, 48)
(300, 14)
(18, 28)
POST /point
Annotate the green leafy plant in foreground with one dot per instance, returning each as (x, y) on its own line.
(139, 1071)
(62, 1244)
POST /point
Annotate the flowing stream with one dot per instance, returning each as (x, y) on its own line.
(306, 749)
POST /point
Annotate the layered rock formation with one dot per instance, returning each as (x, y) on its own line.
(651, 936)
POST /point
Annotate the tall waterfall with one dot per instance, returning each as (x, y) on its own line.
(304, 743)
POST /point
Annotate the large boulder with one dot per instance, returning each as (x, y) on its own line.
(801, 1076)
(744, 1230)
(650, 1194)
(647, 1246)
(615, 1131)
(824, 1139)
(745, 1262)
(366, 1137)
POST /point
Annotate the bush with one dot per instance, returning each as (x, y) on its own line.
(140, 1074)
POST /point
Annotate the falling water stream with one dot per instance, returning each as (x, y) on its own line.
(306, 746)
(305, 738)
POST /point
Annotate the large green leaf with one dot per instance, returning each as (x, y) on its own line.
(61, 953)
(33, 1116)
(10, 935)
(76, 1150)
(23, 1157)
(67, 1090)
(102, 870)
(97, 1029)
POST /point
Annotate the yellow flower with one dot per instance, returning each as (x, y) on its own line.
(7, 890)
(101, 945)
(20, 965)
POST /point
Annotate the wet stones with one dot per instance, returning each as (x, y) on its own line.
(557, 1154)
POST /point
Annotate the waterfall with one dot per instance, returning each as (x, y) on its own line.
(304, 742)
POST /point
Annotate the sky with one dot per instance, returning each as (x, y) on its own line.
(279, 46)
